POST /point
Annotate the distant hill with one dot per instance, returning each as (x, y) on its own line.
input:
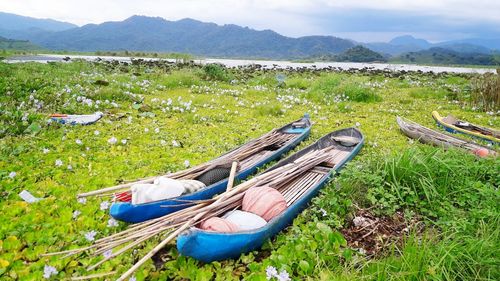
(355, 54)
(154, 34)
(439, 55)
(24, 45)
(408, 40)
(408, 43)
(16, 22)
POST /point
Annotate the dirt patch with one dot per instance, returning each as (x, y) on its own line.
(371, 234)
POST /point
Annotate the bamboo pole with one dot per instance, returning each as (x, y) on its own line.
(231, 176)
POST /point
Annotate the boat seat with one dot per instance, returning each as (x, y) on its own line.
(346, 140)
(450, 119)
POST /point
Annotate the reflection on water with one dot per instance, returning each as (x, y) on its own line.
(44, 58)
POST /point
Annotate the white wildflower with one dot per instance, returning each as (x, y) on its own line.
(157, 130)
(79, 142)
(12, 175)
(70, 167)
(76, 213)
(104, 205)
(59, 163)
(48, 271)
(175, 143)
(112, 222)
(283, 276)
(186, 163)
(107, 254)
(82, 200)
(124, 141)
(112, 140)
(271, 272)
(45, 150)
(90, 236)
(96, 132)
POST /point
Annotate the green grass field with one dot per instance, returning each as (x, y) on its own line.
(449, 200)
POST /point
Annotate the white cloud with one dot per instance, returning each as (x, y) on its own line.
(289, 17)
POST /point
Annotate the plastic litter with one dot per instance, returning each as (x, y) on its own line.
(28, 197)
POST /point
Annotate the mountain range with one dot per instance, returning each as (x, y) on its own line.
(155, 34)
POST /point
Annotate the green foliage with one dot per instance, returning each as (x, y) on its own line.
(356, 54)
(427, 93)
(269, 110)
(20, 45)
(216, 72)
(298, 83)
(485, 92)
(358, 93)
(434, 183)
(453, 193)
(180, 79)
(445, 56)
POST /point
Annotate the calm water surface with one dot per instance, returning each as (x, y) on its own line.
(44, 58)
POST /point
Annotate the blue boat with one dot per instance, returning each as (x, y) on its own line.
(293, 133)
(209, 246)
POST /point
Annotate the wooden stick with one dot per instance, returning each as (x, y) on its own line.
(230, 182)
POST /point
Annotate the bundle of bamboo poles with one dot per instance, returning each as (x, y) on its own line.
(173, 224)
(426, 135)
(273, 138)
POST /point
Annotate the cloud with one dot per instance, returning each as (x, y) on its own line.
(438, 18)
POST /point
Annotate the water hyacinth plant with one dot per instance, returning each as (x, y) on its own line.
(180, 117)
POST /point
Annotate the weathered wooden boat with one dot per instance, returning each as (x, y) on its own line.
(428, 136)
(69, 119)
(209, 246)
(454, 125)
(251, 156)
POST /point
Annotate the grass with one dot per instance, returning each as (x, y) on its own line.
(454, 195)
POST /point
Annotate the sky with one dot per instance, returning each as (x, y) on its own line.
(362, 20)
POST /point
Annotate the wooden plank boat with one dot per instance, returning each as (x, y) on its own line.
(428, 136)
(209, 246)
(251, 156)
(454, 125)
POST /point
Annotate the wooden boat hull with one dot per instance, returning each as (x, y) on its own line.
(211, 246)
(428, 136)
(457, 130)
(125, 211)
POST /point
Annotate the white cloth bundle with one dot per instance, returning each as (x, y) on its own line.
(245, 220)
(162, 188)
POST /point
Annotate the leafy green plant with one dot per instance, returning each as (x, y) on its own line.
(216, 72)
(485, 92)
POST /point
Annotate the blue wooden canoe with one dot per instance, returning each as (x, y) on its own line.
(126, 211)
(209, 246)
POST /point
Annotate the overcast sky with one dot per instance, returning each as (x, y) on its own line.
(362, 20)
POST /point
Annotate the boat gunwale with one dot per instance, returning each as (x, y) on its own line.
(442, 123)
(193, 231)
(292, 142)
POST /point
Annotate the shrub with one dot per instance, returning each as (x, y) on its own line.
(180, 78)
(358, 93)
(269, 110)
(485, 92)
(216, 72)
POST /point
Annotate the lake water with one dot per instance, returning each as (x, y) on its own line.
(44, 58)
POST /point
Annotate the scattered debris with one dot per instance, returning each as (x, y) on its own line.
(371, 235)
(28, 197)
